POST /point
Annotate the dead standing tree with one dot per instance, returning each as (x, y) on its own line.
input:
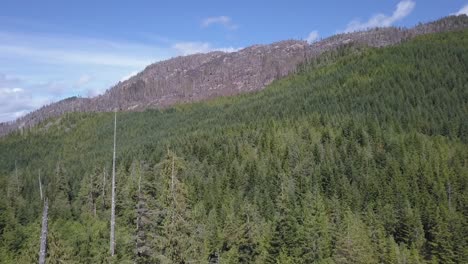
(40, 184)
(112, 222)
(43, 249)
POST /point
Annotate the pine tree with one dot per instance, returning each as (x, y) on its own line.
(284, 238)
(440, 239)
(90, 192)
(175, 243)
(59, 252)
(60, 191)
(391, 252)
(248, 245)
(353, 244)
(314, 235)
(411, 230)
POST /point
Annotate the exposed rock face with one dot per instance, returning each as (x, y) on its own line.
(202, 76)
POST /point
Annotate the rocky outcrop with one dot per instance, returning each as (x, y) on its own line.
(203, 76)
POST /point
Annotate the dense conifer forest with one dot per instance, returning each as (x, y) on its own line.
(361, 156)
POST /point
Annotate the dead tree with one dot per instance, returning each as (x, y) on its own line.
(112, 223)
(40, 185)
(43, 250)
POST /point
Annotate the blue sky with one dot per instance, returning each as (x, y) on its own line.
(50, 50)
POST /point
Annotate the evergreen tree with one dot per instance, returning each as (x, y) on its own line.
(284, 238)
(175, 242)
(353, 244)
(440, 239)
(314, 235)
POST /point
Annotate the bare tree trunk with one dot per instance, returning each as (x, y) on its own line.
(40, 185)
(112, 223)
(43, 250)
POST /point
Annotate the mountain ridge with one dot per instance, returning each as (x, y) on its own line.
(203, 76)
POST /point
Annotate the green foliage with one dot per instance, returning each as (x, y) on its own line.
(359, 157)
(353, 244)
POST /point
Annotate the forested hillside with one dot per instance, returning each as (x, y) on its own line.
(359, 157)
(205, 76)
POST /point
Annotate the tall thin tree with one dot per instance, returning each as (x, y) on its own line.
(40, 184)
(112, 222)
(43, 249)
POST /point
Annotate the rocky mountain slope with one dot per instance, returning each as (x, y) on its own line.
(203, 76)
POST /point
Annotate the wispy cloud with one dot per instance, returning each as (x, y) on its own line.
(462, 11)
(219, 20)
(53, 88)
(187, 48)
(16, 101)
(128, 76)
(312, 37)
(403, 9)
(83, 80)
(78, 50)
(6, 81)
(61, 56)
(95, 91)
(52, 67)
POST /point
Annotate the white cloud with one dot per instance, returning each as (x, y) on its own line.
(220, 20)
(15, 102)
(403, 9)
(54, 88)
(8, 80)
(312, 37)
(462, 11)
(48, 64)
(59, 56)
(128, 76)
(10, 91)
(98, 90)
(94, 92)
(83, 80)
(52, 49)
(187, 48)
(19, 97)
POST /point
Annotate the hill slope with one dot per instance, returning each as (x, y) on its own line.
(203, 76)
(359, 156)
